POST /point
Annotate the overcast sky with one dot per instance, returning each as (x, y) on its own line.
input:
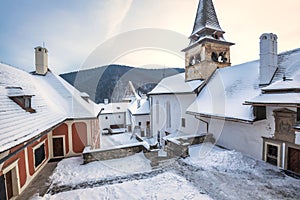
(73, 29)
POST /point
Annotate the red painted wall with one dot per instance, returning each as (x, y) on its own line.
(21, 164)
(62, 130)
(79, 136)
(31, 154)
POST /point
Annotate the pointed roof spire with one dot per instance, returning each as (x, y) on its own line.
(206, 17)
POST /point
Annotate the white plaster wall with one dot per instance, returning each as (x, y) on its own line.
(115, 118)
(178, 105)
(140, 118)
(246, 138)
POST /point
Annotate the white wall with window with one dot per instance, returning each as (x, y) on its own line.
(169, 110)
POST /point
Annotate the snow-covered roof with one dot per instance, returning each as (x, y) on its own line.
(283, 91)
(53, 100)
(176, 84)
(225, 93)
(118, 107)
(228, 89)
(292, 83)
(280, 98)
(143, 109)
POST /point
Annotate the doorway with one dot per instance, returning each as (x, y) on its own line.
(58, 147)
(294, 160)
(2, 188)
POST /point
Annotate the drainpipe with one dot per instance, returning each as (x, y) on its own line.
(207, 123)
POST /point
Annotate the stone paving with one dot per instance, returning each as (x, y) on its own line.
(40, 183)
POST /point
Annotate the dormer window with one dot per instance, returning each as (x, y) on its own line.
(19, 97)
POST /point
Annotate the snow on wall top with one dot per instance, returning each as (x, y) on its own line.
(53, 99)
(144, 108)
(230, 87)
(176, 84)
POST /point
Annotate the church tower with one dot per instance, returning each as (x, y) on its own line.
(207, 50)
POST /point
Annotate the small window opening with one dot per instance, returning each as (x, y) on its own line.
(298, 114)
(259, 112)
(272, 154)
(183, 122)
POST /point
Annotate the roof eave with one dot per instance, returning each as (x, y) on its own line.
(221, 117)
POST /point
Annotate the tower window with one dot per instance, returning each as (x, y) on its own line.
(214, 57)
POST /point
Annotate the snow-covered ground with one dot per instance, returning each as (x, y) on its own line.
(70, 171)
(209, 173)
(108, 141)
(227, 174)
(163, 186)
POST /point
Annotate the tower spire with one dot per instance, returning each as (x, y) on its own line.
(206, 17)
(208, 50)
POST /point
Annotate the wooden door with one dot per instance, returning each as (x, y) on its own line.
(58, 147)
(2, 188)
(294, 160)
(9, 185)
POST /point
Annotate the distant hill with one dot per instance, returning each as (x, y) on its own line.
(110, 81)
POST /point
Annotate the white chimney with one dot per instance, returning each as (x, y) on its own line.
(268, 58)
(41, 60)
(105, 101)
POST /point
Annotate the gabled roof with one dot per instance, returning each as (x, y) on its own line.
(175, 85)
(206, 17)
(118, 107)
(225, 93)
(143, 109)
(53, 100)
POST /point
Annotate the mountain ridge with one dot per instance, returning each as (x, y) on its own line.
(110, 82)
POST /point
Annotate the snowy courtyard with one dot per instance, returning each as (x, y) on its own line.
(209, 173)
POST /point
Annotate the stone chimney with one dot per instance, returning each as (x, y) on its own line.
(268, 58)
(41, 60)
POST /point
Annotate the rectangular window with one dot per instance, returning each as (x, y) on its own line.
(157, 112)
(272, 154)
(39, 155)
(140, 123)
(168, 115)
(183, 122)
(298, 114)
(260, 112)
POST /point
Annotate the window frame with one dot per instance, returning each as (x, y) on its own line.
(278, 153)
(34, 155)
